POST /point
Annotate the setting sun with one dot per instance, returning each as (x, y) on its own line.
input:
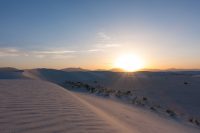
(129, 63)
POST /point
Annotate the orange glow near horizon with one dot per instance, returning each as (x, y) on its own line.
(129, 62)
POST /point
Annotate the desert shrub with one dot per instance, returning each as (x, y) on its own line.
(92, 90)
(152, 108)
(118, 93)
(134, 100)
(194, 121)
(137, 101)
(144, 99)
(170, 112)
(191, 120)
(197, 122)
(128, 92)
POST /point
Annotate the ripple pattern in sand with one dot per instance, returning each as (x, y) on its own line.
(28, 106)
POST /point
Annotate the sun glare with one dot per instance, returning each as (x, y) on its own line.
(129, 63)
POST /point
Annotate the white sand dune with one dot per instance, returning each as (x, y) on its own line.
(133, 120)
(163, 88)
(30, 106)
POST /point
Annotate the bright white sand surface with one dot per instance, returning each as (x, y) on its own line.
(30, 106)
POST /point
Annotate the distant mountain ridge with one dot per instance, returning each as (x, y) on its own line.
(8, 69)
(73, 69)
(79, 69)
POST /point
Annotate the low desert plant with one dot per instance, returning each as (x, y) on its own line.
(170, 112)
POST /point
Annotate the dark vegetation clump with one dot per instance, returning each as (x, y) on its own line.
(144, 99)
(128, 92)
(134, 99)
(194, 121)
(170, 112)
(152, 108)
(197, 122)
(191, 120)
(141, 101)
(81, 85)
(118, 93)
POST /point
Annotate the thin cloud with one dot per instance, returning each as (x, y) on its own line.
(62, 56)
(103, 36)
(55, 52)
(94, 50)
(12, 52)
(107, 45)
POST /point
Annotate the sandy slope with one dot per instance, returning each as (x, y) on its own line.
(39, 107)
(135, 119)
(163, 88)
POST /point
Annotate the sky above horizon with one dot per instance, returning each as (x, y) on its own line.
(93, 33)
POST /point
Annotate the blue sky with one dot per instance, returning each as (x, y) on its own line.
(92, 33)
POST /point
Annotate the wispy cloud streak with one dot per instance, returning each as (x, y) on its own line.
(14, 52)
(6, 52)
(54, 52)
